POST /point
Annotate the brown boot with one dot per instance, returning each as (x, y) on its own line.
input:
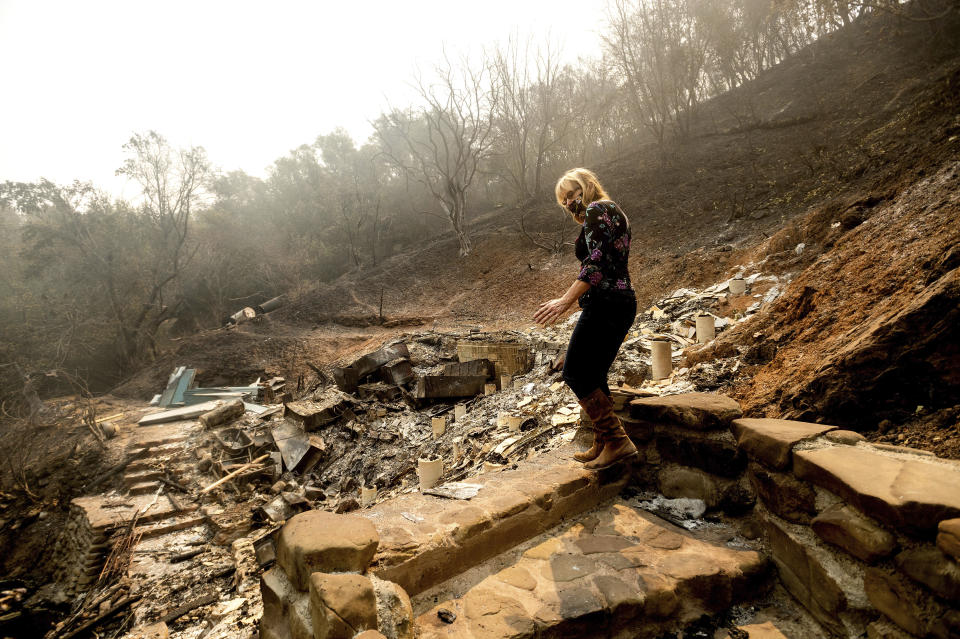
(616, 445)
(588, 404)
(593, 452)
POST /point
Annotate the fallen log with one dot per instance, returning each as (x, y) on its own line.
(270, 305)
(222, 414)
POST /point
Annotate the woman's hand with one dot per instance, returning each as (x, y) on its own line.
(550, 312)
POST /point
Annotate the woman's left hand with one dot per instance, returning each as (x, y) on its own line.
(550, 312)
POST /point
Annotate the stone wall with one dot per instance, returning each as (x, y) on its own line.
(79, 552)
(320, 586)
(865, 536)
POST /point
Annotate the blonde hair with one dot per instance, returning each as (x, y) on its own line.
(588, 183)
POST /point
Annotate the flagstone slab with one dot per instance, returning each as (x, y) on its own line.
(842, 526)
(426, 539)
(581, 582)
(697, 411)
(771, 441)
(910, 493)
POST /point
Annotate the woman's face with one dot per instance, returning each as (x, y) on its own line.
(573, 191)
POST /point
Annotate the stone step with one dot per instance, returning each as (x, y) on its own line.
(165, 433)
(771, 441)
(911, 493)
(144, 488)
(107, 513)
(426, 539)
(613, 572)
(138, 465)
(695, 411)
(187, 518)
(131, 478)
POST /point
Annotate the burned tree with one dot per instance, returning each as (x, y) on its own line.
(441, 144)
(528, 122)
(112, 265)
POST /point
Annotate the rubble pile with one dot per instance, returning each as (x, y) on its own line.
(674, 319)
(215, 472)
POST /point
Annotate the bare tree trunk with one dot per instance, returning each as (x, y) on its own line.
(455, 210)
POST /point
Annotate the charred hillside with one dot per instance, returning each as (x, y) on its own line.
(858, 115)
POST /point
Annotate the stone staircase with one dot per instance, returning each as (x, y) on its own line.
(82, 548)
(425, 540)
(157, 453)
(544, 550)
(864, 537)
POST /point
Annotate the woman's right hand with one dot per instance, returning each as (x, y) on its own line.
(550, 312)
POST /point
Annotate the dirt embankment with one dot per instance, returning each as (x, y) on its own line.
(846, 116)
(864, 335)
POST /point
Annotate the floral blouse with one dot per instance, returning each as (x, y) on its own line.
(603, 249)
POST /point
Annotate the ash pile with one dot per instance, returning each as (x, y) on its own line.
(476, 400)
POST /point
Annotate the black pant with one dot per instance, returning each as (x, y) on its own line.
(596, 339)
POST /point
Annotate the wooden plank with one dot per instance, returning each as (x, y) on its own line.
(226, 478)
(186, 412)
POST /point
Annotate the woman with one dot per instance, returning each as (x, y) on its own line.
(609, 306)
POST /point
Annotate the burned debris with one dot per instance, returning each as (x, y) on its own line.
(215, 471)
(248, 313)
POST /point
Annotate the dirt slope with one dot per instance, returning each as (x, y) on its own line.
(865, 334)
(837, 119)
